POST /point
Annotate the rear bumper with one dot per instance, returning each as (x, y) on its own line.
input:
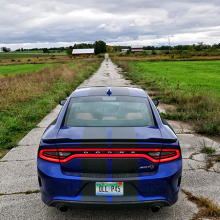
(59, 189)
(109, 206)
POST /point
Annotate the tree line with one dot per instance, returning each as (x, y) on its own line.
(101, 47)
(199, 47)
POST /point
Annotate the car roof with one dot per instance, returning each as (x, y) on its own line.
(114, 90)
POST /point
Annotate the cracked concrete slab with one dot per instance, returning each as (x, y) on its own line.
(107, 75)
(18, 176)
(215, 168)
(189, 164)
(21, 153)
(33, 137)
(200, 157)
(187, 152)
(190, 141)
(202, 183)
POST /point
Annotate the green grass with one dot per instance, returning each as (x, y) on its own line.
(17, 119)
(39, 52)
(27, 51)
(20, 56)
(193, 86)
(188, 75)
(9, 70)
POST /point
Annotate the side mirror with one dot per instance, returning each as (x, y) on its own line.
(156, 102)
(62, 102)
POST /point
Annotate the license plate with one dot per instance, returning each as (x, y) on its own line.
(109, 188)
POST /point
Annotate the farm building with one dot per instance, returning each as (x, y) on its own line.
(80, 52)
(136, 48)
(124, 50)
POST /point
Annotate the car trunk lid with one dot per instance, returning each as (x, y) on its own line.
(109, 149)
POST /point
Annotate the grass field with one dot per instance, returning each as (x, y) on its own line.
(25, 99)
(192, 86)
(9, 70)
(188, 75)
(20, 56)
(38, 52)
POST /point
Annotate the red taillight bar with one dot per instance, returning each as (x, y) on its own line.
(49, 158)
(53, 158)
(109, 149)
(107, 156)
(172, 157)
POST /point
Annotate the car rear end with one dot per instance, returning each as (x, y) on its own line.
(126, 159)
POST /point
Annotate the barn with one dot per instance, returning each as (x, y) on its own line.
(124, 50)
(136, 48)
(80, 52)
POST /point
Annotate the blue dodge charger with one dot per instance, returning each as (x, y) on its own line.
(109, 148)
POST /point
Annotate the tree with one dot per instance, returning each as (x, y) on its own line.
(190, 48)
(69, 51)
(45, 50)
(213, 48)
(117, 48)
(199, 47)
(109, 49)
(100, 47)
(128, 52)
(5, 49)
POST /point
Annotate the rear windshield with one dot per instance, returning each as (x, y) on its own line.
(120, 111)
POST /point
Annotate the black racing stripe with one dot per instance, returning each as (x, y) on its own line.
(93, 145)
(89, 192)
(130, 193)
(129, 165)
(125, 145)
(94, 165)
(97, 133)
(124, 165)
(124, 133)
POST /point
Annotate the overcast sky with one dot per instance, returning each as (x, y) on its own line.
(49, 23)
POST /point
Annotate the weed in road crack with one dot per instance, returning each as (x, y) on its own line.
(207, 208)
(207, 150)
(26, 192)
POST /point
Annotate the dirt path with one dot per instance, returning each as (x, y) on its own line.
(18, 177)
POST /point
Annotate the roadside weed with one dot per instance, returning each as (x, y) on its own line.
(207, 150)
(207, 208)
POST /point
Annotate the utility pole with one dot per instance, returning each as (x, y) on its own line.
(169, 44)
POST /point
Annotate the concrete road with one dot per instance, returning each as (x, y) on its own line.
(18, 176)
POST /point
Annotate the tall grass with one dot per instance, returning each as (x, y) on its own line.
(22, 88)
(26, 99)
(201, 108)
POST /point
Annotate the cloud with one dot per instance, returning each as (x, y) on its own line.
(142, 22)
(122, 22)
(102, 26)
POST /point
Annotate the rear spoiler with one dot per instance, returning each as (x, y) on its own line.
(69, 140)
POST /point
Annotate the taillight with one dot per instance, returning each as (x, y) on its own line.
(169, 155)
(153, 155)
(50, 155)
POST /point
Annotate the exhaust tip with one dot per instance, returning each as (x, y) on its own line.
(156, 208)
(62, 208)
